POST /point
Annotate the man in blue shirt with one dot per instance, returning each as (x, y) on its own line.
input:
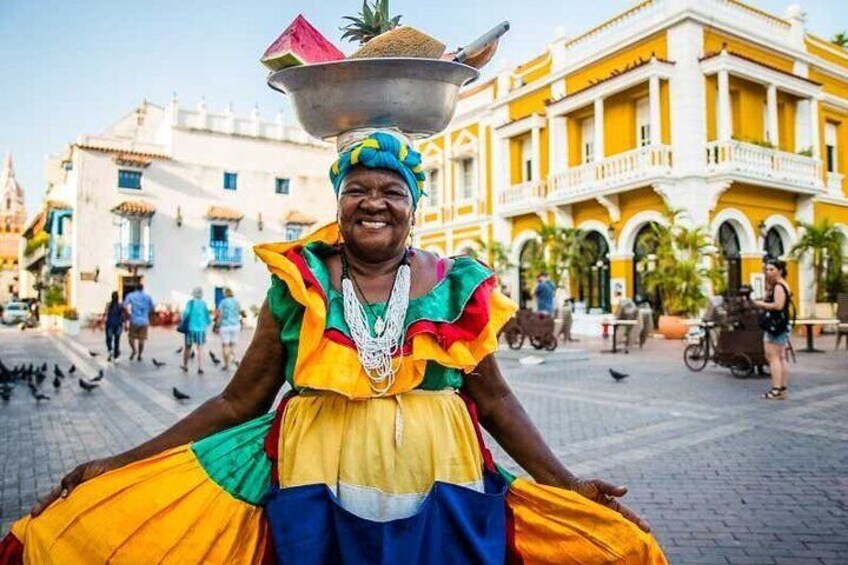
(140, 307)
(544, 294)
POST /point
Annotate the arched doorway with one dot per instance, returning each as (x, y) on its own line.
(643, 247)
(529, 251)
(773, 244)
(595, 281)
(731, 256)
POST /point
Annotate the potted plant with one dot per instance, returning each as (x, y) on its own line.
(677, 270)
(823, 243)
(70, 322)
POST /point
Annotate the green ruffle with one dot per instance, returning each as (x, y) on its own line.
(289, 315)
(235, 459)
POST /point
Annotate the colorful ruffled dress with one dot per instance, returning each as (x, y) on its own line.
(336, 475)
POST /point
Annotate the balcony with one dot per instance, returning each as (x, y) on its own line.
(833, 182)
(521, 198)
(621, 171)
(226, 256)
(133, 255)
(59, 255)
(764, 166)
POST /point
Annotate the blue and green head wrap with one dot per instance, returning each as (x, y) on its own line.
(381, 150)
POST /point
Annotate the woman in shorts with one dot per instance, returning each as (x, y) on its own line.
(228, 322)
(197, 319)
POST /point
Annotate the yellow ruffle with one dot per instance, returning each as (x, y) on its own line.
(326, 365)
(164, 509)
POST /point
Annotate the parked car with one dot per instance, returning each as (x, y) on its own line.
(15, 313)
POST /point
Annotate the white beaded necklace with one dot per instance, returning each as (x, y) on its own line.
(377, 348)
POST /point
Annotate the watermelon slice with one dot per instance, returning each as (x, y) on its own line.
(300, 44)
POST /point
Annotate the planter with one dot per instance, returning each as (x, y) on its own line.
(70, 327)
(672, 327)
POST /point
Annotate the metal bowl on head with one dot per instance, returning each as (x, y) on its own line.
(416, 96)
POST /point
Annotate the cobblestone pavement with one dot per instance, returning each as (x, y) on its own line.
(722, 476)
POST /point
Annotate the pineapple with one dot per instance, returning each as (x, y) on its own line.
(372, 21)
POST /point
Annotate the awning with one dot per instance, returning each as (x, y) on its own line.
(56, 205)
(134, 208)
(224, 213)
(131, 160)
(294, 217)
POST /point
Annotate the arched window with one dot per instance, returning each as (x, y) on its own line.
(594, 287)
(731, 255)
(530, 250)
(644, 246)
(773, 245)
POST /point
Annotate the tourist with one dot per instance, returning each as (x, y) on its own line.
(195, 321)
(776, 325)
(140, 306)
(544, 294)
(228, 324)
(115, 316)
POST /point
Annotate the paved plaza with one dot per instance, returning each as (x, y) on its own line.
(722, 476)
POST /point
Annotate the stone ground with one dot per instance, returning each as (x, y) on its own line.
(722, 476)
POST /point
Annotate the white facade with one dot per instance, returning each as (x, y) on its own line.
(163, 231)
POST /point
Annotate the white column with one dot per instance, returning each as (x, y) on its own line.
(506, 167)
(771, 112)
(599, 130)
(802, 124)
(482, 168)
(535, 147)
(687, 99)
(814, 128)
(655, 115)
(725, 120)
(557, 144)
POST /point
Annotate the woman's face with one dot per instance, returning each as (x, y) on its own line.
(772, 273)
(375, 213)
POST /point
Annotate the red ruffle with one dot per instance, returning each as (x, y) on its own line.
(11, 550)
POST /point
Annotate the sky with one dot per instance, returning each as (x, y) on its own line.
(72, 67)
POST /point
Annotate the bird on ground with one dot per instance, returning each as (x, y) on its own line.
(617, 375)
(57, 382)
(99, 376)
(93, 353)
(72, 370)
(44, 367)
(88, 387)
(39, 378)
(214, 358)
(39, 396)
(158, 363)
(179, 395)
(6, 394)
(58, 372)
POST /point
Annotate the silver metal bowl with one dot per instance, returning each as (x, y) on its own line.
(417, 96)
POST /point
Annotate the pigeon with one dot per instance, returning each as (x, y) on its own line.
(39, 396)
(618, 376)
(6, 394)
(214, 358)
(158, 363)
(39, 378)
(88, 387)
(99, 376)
(72, 370)
(57, 382)
(58, 372)
(179, 395)
(44, 367)
(93, 353)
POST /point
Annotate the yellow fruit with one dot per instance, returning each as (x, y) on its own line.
(402, 41)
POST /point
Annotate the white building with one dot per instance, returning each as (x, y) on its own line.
(175, 198)
(12, 216)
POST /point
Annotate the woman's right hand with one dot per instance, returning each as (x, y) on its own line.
(69, 482)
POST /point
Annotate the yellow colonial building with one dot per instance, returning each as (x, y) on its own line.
(736, 116)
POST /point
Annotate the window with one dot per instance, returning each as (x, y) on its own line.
(643, 123)
(830, 153)
(467, 178)
(293, 232)
(218, 234)
(527, 160)
(433, 187)
(587, 129)
(773, 244)
(129, 179)
(230, 181)
(68, 166)
(281, 185)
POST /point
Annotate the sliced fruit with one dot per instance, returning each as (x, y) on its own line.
(300, 44)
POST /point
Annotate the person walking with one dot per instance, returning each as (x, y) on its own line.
(775, 323)
(115, 317)
(544, 294)
(228, 322)
(140, 306)
(196, 320)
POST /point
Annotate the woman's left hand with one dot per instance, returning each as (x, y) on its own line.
(604, 493)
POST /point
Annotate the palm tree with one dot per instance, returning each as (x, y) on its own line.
(371, 22)
(676, 268)
(496, 254)
(824, 241)
(840, 39)
(564, 252)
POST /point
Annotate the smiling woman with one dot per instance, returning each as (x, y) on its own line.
(377, 453)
